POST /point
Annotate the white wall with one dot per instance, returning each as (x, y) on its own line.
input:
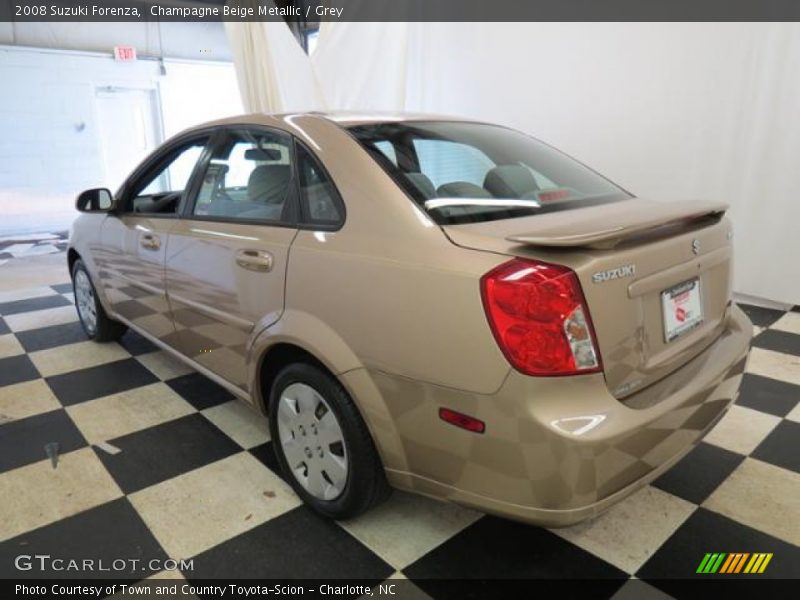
(50, 146)
(195, 92)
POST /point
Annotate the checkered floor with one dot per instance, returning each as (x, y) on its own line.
(32, 244)
(155, 461)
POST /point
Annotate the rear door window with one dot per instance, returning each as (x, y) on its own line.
(249, 178)
(320, 203)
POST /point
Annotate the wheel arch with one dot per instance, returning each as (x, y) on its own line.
(303, 338)
(72, 257)
(277, 357)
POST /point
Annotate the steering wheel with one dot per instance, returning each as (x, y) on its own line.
(167, 203)
(220, 195)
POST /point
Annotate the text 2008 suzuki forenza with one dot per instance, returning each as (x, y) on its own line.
(441, 306)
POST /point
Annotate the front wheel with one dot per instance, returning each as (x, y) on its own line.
(96, 324)
(322, 443)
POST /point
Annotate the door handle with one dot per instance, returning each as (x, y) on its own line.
(150, 242)
(254, 260)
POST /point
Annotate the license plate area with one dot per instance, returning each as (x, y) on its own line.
(682, 309)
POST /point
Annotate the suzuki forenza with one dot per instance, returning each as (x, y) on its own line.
(436, 305)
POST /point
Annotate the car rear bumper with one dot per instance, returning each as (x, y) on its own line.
(558, 450)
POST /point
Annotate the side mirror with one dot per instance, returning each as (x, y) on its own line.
(94, 200)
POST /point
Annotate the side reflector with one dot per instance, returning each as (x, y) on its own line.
(461, 420)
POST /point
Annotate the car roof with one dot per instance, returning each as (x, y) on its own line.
(350, 118)
(341, 118)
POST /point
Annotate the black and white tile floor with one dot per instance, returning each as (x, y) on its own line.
(32, 244)
(156, 461)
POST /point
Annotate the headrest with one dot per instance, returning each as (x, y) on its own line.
(216, 171)
(462, 189)
(423, 183)
(510, 181)
(268, 183)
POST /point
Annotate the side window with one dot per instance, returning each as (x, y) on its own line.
(450, 162)
(160, 191)
(249, 178)
(320, 202)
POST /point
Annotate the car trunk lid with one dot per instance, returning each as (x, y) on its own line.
(648, 271)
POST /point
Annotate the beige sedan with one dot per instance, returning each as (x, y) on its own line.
(441, 306)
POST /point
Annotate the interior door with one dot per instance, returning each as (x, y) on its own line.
(126, 114)
(134, 238)
(226, 258)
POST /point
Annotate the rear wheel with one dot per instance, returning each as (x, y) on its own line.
(97, 325)
(322, 443)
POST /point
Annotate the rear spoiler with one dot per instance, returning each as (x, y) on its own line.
(613, 223)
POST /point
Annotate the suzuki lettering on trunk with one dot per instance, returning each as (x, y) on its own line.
(611, 274)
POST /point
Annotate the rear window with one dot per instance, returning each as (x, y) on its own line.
(467, 172)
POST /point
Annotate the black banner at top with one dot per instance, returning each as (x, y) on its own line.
(399, 10)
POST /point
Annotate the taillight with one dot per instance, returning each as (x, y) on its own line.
(539, 318)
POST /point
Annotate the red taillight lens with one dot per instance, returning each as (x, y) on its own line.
(539, 318)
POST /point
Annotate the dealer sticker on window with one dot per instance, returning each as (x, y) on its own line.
(683, 309)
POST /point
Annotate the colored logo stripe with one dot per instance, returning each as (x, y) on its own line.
(727, 564)
(734, 562)
(758, 563)
(711, 563)
(703, 563)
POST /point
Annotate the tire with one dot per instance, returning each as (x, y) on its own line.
(94, 320)
(302, 400)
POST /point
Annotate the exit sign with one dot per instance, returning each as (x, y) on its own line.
(124, 53)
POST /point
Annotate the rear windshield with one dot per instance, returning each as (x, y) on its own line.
(467, 172)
